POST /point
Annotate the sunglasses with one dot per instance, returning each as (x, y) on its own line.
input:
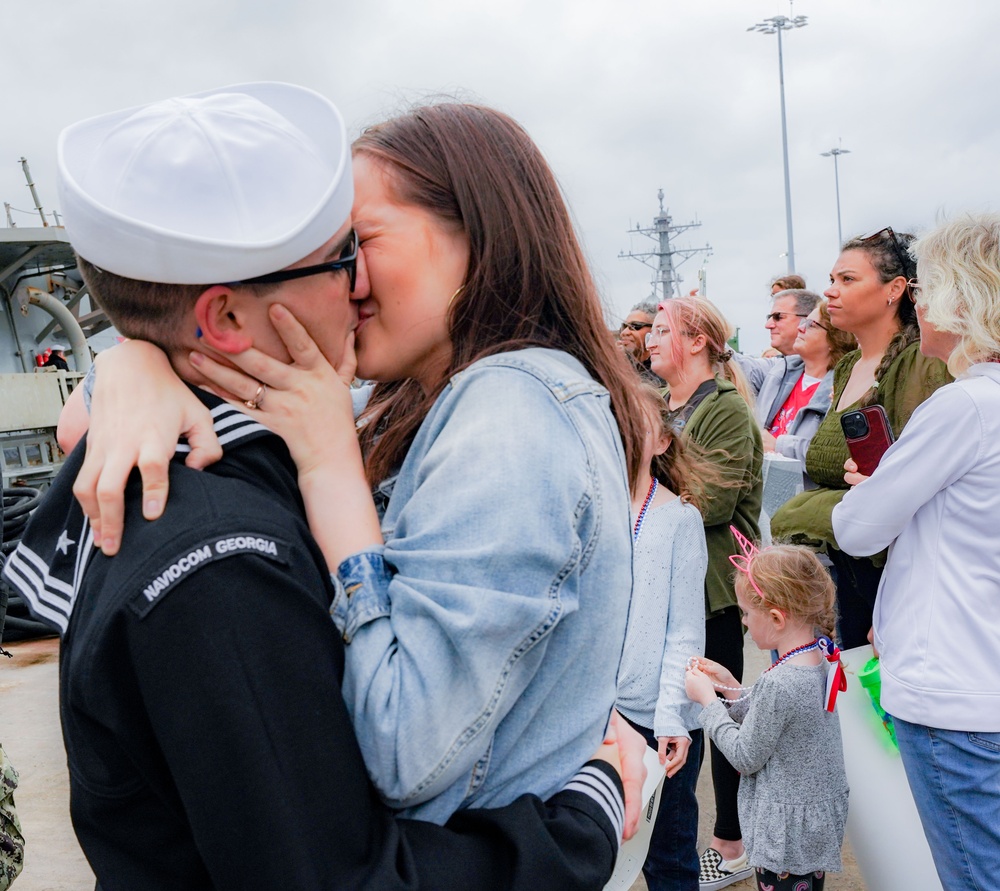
(778, 316)
(913, 290)
(635, 326)
(348, 260)
(905, 260)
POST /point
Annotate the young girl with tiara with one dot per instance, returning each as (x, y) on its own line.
(666, 622)
(783, 734)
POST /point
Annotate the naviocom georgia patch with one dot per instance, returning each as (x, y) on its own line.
(208, 551)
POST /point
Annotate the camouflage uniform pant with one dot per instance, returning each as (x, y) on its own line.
(11, 839)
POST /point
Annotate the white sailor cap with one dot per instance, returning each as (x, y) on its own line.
(213, 187)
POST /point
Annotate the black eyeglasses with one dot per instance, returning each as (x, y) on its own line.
(348, 260)
(778, 316)
(635, 326)
(905, 260)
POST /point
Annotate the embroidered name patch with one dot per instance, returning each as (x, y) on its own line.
(207, 552)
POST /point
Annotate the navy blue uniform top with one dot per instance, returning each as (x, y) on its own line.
(207, 738)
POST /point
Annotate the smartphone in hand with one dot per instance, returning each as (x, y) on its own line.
(868, 434)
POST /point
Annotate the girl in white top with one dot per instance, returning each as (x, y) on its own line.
(666, 623)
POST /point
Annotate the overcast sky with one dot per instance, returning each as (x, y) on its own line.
(624, 96)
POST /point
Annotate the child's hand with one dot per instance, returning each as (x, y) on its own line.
(698, 686)
(719, 674)
(673, 752)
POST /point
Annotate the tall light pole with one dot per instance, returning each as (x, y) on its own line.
(835, 153)
(776, 25)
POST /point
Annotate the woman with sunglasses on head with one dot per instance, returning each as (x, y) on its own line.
(708, 402)
(485, 618)
(933, 501)
(869, 297)
(790, 407)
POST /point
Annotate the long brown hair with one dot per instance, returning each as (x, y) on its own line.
(527, 283)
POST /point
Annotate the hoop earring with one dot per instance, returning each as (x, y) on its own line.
(458, 291)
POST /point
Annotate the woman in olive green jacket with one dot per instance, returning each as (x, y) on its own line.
(869, 296)
(708, 399)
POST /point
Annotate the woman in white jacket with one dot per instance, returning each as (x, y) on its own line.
(934, 501)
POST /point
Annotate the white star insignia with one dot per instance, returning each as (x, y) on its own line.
(64, 542)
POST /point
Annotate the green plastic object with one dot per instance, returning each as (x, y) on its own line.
(871, 679)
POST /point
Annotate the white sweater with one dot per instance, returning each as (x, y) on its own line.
(935, 501)
(666, 620)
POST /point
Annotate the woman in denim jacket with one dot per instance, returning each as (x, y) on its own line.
(484, 605)
(484, 635)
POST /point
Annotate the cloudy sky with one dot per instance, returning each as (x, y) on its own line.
(625, 97)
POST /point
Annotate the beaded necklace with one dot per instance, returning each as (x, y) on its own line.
(805, 648)
(642, 511)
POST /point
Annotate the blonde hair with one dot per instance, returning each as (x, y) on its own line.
(696, 315)
(960, 285)
(794, 581)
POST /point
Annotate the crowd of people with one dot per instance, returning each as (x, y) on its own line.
(418, 633)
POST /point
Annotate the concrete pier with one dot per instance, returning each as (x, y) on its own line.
(29, 731)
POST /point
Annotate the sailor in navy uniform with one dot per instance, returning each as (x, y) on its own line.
(207, 739)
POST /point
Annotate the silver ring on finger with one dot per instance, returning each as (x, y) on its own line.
(258, 398)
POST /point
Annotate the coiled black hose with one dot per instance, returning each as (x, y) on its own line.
(17, 506)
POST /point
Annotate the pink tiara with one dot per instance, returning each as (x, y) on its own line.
(742, 561)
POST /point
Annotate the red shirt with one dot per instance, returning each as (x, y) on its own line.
(801, 393)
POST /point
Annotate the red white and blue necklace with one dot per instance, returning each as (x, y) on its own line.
(836, 679)
(745, 691)
(653, 486)
(791, 654)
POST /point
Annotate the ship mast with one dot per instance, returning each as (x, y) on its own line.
(34, 194)
(666, 281)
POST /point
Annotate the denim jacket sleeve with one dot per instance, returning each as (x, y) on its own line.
(448, 626)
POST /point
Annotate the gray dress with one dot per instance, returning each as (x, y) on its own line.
(793, 788)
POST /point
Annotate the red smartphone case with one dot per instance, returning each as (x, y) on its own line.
(868, 434)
